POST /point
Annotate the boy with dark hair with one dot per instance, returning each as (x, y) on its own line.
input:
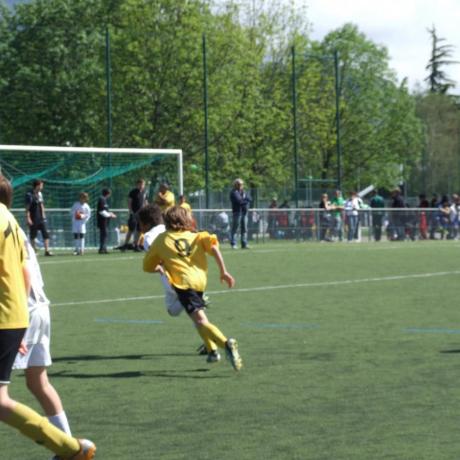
(181, 254)
(14, 288)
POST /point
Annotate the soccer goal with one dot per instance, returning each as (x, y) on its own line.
(68, 171)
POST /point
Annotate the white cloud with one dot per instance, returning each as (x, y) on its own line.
(400, 25)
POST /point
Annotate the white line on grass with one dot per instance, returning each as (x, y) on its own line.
(271, 288)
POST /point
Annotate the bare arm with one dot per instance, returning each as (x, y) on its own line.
(224, 275)
(26, 274)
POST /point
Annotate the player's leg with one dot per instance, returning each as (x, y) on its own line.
(32, 236)
(46, 239)
(39, 385)
(244, 230)
(76, 243)
(26, 420)
(81, 248)
(234, 229)
(209, 331)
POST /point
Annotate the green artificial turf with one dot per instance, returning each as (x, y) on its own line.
(351, 351)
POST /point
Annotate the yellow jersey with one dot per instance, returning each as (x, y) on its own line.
(186, 206)
(183, 256)
(165, 200)
(13, 299)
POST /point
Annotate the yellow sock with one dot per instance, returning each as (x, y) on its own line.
(213, 333)
(40, 430)
(208, 343)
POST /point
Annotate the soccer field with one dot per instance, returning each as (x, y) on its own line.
(351, 351)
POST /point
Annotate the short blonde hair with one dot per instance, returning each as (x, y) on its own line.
(84, 196)
(178, 218)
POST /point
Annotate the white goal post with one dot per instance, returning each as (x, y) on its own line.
(102, 150)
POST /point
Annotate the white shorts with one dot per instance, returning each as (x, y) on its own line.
(37, 339)
(173, 306)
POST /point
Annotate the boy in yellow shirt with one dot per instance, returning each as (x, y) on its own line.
(181, 254)
(14, 287)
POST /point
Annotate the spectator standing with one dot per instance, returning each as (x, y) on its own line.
(423, 221)
(103, 219)
(324, 217)
(398, 217)
(444, 214)
(455, 209)
(36, 216)
(137, 198)
(377, 202)
(351, 211)
(183, 203)
(272, 217)
(81, 213)
(434, 218)
(165, 198)
(240, 201)
(337, 204)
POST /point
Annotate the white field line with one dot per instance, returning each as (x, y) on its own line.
(365, 246)
(271, 288)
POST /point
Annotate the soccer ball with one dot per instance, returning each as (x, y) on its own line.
(79, 215)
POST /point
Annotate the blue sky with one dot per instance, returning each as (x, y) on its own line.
(400, 25)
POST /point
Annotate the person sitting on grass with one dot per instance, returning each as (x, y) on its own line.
(181, 254)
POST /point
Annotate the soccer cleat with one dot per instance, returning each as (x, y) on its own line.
(49, 254)
(87, 451)
(213, 357)
(202, 350)
(231, 349)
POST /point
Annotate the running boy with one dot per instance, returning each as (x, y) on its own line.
(181, 253)
(14, 286)
(151, 224)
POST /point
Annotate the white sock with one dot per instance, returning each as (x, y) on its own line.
(82, 245)
(60, 421)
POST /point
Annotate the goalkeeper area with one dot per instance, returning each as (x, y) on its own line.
(68, 171)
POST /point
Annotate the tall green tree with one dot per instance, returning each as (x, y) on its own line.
(379, 128)
(441, 56)
(54, 71)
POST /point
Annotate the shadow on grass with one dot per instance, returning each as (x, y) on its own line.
(176, 374)
(450, 351)
(112, 357)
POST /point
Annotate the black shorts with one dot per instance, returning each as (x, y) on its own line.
(10, 339)
(39, 227)
(190, 299)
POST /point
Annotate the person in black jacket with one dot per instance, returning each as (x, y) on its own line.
(36, 217)
(103, 219)
(240, 201)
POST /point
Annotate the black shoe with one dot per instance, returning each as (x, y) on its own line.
(49, 254)
(103, 251)
(202, 350)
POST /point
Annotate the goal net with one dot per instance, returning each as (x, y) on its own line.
(68, 171)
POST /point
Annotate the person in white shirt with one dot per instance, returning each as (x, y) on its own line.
(351, 207)
(81, 213)
(34, 355)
